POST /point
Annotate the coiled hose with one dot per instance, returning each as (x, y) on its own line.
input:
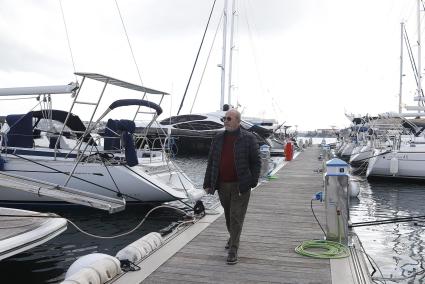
(332, 249)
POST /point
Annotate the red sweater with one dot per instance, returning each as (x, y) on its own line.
(227, 163)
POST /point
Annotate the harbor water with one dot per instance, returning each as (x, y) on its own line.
(397, 249)
(49, 262)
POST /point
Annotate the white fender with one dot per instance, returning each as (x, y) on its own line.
(394, 166)
(95, 268)
(354, 188)
(140, 248)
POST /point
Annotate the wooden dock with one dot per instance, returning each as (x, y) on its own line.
(278, 219)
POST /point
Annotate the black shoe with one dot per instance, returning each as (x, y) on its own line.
(227, 246)
(232, 258)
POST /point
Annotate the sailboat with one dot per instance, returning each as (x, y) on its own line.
(406, 156)
(193, 133)
(48, 153)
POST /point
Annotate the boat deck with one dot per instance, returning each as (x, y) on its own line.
(18, 234)
(278, 219)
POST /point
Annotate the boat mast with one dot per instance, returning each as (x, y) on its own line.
(401, 68)
(419, 70)
(223, 57)
(232, 27)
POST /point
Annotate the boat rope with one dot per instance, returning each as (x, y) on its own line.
(103, 158)
(52, 215)
(196, 59)
(361, 169)
(386, 221)
(375, 268)
(67, 38)
(128, 232)
(128, 265)
(206, 63)
(396, 279)
(372, 262)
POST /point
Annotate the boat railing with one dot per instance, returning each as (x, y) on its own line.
(92, 123)
(106, 80)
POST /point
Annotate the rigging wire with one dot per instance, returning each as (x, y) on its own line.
(196, 59)
(76, 177)
(128, 232)
(129, 45)
(19, 120)
(206, 63)
(67, 38)
(411, 58)
(255, 55)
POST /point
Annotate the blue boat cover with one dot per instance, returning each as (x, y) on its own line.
(111, 139)
(20, 132)
(360, 128)
(124, 128)
(135, 102)
(74, 123)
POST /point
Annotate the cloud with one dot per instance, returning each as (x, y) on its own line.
(15, 56)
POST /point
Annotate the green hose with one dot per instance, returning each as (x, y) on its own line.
(332, 249)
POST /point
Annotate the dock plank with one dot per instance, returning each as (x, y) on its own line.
(278, 219)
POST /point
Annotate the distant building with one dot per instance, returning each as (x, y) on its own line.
(326, 132)
(331, 132)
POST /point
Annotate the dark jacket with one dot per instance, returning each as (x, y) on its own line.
(247, 161)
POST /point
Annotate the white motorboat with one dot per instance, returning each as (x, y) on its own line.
(183, 134)
(19, 233)
(192, 133)
(101, 163)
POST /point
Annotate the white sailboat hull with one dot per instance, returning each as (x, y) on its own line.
(135, 183)
(408, 165)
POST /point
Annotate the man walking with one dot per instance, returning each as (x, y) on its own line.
(233, 169)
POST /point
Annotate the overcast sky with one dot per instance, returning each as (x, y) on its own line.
(305, 62)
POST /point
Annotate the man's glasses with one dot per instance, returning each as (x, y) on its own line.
(224, 118)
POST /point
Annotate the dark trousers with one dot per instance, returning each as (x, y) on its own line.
(235, 206)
